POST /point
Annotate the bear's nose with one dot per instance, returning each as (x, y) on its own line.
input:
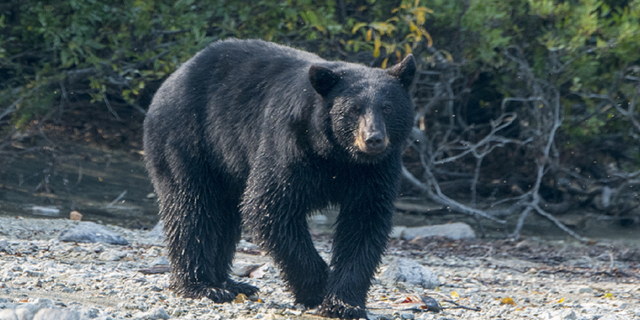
(374, 142)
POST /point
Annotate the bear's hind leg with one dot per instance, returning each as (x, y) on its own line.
(202, 225)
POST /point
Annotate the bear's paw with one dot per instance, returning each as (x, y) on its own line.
(336, 308)
(198, 291)
(240, 287)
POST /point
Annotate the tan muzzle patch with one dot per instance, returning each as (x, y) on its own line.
(361, 140)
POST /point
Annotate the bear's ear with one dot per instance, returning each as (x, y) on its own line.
(404, 71)
(322, 79)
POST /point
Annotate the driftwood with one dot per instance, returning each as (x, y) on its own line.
(441, 139)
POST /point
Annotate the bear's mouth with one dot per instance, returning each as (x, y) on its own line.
(372, 151)
(371, 143)
(369, 156)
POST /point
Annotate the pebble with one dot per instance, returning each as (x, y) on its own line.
(154, 314)
(91, 232)
(57, 314)
(454, 231)
(160, 261)
(45, 278)
(407, 270)
(585, 290)
(157, 232)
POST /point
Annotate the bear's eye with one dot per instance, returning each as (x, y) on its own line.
(356, 110)
(387, 109)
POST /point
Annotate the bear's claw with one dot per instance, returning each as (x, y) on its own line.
(336, 308)
(240, 287)
(217, 295)
(310, 301)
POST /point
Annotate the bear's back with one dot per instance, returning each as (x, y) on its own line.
(224, 98)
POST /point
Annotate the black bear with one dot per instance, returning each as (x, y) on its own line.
(255, 131)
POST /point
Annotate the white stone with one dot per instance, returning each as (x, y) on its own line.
(454, 231)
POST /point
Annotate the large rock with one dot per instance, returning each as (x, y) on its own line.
(42, 303)
(24, 314)
(454, 231)
(407, 270)
(27, 310)
(396, 232)
(154, 314)
(57, 314)
(8, 314)
(91, 232)
(157, 233)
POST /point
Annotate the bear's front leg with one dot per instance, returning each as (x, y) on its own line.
(360, 239)
(276, 208)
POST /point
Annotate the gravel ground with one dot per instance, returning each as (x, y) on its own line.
(103, 281)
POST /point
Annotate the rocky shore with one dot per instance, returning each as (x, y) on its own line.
(46, 273)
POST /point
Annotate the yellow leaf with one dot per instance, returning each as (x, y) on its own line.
(608, 295)
(357, 26)
(369, 33)
(447, 55)
(390, 47)
(398, 55)
(376, 46)
(428, 36)
(415, 4)
(240, 298)
(454, 295)
(561, 300)
(508, 300)
(100, 179)
(407, 48)
(384, 63)
(423, 9)
(420, 18)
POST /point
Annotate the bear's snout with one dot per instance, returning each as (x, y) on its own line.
(371, 135)
(374, 142)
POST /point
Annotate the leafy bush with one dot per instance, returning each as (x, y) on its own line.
(552, 85)
(107, 52)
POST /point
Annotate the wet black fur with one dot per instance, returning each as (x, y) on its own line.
(239, 132)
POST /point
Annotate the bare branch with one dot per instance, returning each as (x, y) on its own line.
(559, 224)
(440, 198)
(12, 107)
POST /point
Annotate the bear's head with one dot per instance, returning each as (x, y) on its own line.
(369, 110)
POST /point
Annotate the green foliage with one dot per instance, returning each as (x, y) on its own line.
(589, 49)
(116, 50)
(398, 35)
(111, 50)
